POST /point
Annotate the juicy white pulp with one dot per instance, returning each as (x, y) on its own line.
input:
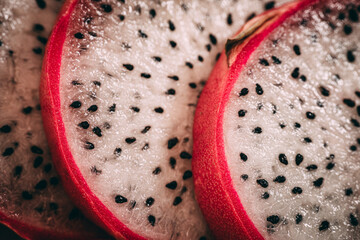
(130, 77)
(30, 191)
(294, 154)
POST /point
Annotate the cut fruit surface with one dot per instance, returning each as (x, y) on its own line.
(32, 200)
(120, 86)
(276, 132)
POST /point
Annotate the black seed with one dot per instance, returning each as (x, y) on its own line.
(36, 150)
(187, 174)
(174, 77)
(152, 13)
(54, 181)
(307, 140)
(311, 167)
(324, 225)
(353, 15)
(348, 191)
(295, 73)
(262, 182)
(97, 131)
(257, 130)
(208, 47)
(355, 122)
(349, 102)
(185, 155)
(41, 39)
(330, 166)
(297, 125)
(26, 195)
(251, 16)
(274, 219)
(27, 110)
(75, 104)
(358, 110)
(318, 182)
(120, 199)
(217, 56)
(243, 157)
(93, 34)
(38, 161)
(280, 179)
(156, 58)
(84, 125)
(324, 91)
(358, 140)
(172, 142)
(276, 60)
(357, 93)
(189, 64)
(151, 220)
(171, 185)
(47, 167)
(41, 185)
(142, 34)
(213, 39)
(17, 171)
(41, 4)
(298, 218)
(171, 25)
(303, 78)
(353, 148)
(310, 115)
(106, 7)
(157, 171)
(353, 220)
(172, 44)
(347, 29)
(177, 201)
(93, 108)
(128, 66)
(243, 92)
(149, 201)
(159, 110)
(132, 204)
(121, 17)
(265, 195)
(130, 140)
(296, 190)
(229, 19)
(146, 129)
(283, 159)
(264, 62)
(244, 177)
(117, 152)
(242, 113)
(172, 162)
(135, 109)
(76, 83)
(296, 49)
(259, 89)
(37, 50)
(89, 145)
(112, 108)
(145, 75)
(170, 92)
(269, 5)
(192, 85)
(38, 27)
(5, 129)
(8, 152)
(200, 58)
(79, 35)
(298, 159)
(350, 56)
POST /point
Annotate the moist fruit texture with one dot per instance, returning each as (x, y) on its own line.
(130, 75)
(288, 125)
(32, 200)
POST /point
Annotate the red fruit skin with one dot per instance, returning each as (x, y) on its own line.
(72, 179)
(214, 190)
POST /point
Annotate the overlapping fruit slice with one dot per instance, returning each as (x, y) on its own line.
(120, 86)
(276, 133)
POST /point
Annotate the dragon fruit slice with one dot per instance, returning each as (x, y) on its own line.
(276, 132)
(32, 200)
(119, 90)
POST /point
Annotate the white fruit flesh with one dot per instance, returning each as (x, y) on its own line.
(121, 58)
(262, 125)
(30, 191)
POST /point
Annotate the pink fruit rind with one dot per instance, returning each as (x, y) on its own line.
(214, 189)
(72, 179)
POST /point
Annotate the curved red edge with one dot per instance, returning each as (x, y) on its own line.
(72, 179)
(214, 190)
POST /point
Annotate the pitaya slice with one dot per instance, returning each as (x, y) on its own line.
(276, 132)
(120, 86)
(32, 200)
